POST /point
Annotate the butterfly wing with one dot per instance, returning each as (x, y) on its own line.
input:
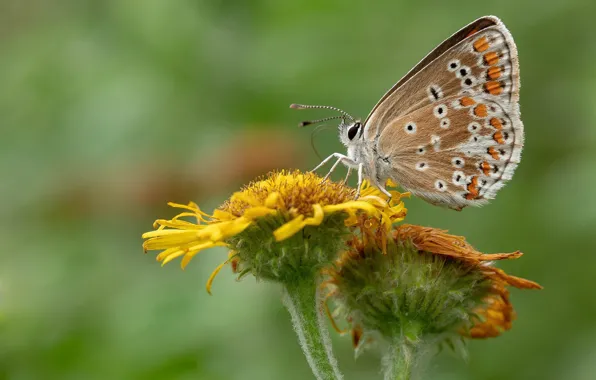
(468, 30)
(451, 131)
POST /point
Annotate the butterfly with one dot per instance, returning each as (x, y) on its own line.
(449, 131)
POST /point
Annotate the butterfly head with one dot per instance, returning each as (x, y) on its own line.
(350, 131)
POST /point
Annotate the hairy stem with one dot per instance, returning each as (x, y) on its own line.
(398, 363)
(302, 301)
(402, 355)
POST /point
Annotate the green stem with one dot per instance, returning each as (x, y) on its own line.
(399, 362)
(403, 353)
(302, 301)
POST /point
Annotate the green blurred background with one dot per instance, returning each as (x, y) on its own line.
(109, 109)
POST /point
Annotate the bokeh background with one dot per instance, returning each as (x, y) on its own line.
(109, 109)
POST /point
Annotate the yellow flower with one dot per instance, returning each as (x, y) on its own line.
(261, 222)
(432, 285)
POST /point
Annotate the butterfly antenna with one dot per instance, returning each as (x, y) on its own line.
(306, 106)
(309, 122)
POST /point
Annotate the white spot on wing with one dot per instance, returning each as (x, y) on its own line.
(435, 142)
(440, 111)
(474, 139)
(484, 182)
(496, 170)
(440, 185)
(434, 92)
(459, 178)
(410, 128)
(474, 127)
(462, 72)
(505, 153)
(507, 136)
(458, 162)
(421, 166)
(453, 65)
(468, 81)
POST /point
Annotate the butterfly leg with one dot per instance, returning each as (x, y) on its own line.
(348, 175)
(382, 188)
(339, 161)
(360, 179)
(334, 155)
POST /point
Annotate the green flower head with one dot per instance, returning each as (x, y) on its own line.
(427, 286)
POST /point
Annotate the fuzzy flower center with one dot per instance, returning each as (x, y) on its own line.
(295, 193)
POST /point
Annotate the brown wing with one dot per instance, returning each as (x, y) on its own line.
(427, 82)
(459, 157)
(461, 107)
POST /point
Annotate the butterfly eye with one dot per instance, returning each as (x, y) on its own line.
(353, 131)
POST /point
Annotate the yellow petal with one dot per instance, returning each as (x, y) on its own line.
(352, 219)
(256, 212)
(161, 233)
(213, 275)
(199, 217)
(360, 205)
(196, 249)
(202, 246)
(196, 211)
(191, 206)
(388, 222)
(380, 202)
(274, 200)
(171, 240)
(246, 198)
(173, 256)
(222, 215)
(390, 183)
(167, 253)
(289, 229)
(181, 224)
(317, 218)
(224, 230)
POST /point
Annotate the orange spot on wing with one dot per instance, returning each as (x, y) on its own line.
(481, 44)
(493, 152)
(466, 101)
(496, 123)
(494, 72)
(498, 137)
(493, 87)
(480, 110)
(491, 58)
(472, 189)
(472, 32)
(486, 168)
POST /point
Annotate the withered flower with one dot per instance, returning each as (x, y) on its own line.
(425, 288)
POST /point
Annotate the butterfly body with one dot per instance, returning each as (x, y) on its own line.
(449, 131)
